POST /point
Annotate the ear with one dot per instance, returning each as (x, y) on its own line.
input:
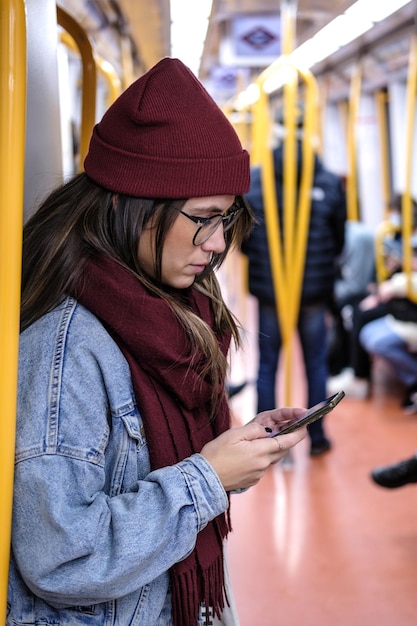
(115, 200)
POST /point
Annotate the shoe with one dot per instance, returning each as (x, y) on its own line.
(336, 383)
(397, 475)
(233, 390)
(320, 447)
(409, 404)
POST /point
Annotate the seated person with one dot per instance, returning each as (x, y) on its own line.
(395, 339)
(355, 380)
(356, 272)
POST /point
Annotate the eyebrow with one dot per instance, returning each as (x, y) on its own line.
(211, 209)
(201, 211)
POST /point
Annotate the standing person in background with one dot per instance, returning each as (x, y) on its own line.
(124, 453)
(324, 245)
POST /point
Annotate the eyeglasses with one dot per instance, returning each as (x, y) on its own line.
(208, 225)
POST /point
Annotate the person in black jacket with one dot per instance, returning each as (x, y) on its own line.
(324, 245)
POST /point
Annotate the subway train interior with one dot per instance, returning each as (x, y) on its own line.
(316, 542)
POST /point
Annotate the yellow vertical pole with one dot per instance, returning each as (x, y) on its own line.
(290, 106)
(288, 15)
(407, 208)
(352, 183)
(113, 82)
(321, 111)
(12, 150)
(381, 100)
(89, 80)
(260, 128)
(114, 85)
(306, 184)
(290, 162)
(273, 228)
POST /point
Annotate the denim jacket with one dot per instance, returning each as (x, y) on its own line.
(94, 530)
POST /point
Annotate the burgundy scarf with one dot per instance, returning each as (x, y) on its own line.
(173, 400)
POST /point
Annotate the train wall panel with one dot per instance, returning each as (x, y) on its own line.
(397, 123)
(43, 163)
(369, 164)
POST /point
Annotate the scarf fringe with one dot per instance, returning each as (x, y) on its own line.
(212, 593)
(185, 602)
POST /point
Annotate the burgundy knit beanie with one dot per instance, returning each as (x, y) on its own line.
(165, 137)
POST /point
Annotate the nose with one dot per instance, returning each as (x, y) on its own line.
(215, 243)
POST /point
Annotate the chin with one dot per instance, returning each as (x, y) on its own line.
(183, 283)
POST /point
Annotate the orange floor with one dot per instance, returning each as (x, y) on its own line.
(320, 544)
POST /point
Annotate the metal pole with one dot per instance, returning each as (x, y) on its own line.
(12, 150)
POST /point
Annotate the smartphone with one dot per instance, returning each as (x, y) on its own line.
(313, 414)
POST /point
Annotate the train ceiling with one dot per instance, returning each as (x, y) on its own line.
(382, 52)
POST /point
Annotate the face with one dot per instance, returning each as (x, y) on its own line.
(181, 259)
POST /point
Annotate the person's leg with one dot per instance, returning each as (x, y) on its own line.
(269, 343)
(338, 346)
(378, 338)
(313, 336)
(361, 363)
(339, 357)
(357, 382)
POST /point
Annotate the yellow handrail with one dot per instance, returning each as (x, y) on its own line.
(304, 203)
(114, 84)
(385, 229)
(323, 89)
(407, 209)
(12, 151)
(352, 183)
(381, 100)
(89, 77)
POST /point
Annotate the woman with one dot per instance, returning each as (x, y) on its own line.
(125, 456)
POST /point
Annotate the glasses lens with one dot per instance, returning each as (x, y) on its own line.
(231, 219)
(207, 230)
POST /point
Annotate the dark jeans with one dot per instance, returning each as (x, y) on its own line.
(312, 332)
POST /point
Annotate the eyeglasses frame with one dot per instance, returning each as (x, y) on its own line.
(203, 221)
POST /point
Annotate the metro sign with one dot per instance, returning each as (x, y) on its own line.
(259, 38)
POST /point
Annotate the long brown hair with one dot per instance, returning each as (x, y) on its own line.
(80, 218)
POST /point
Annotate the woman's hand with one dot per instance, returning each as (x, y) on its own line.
(241, 456)
(279, 417)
